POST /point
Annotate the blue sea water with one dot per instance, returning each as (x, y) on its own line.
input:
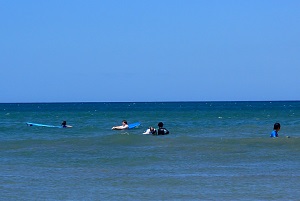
(215, 151)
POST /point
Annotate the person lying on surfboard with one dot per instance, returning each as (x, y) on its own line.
(122, 127)
(64, 125)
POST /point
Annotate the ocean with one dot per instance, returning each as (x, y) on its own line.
(215, 151)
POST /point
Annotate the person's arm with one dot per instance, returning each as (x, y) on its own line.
(119, 127)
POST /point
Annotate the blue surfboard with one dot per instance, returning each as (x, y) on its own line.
(134, 125)
(42, 125)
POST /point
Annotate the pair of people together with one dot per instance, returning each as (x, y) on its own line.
(160, 131)
(151, 130)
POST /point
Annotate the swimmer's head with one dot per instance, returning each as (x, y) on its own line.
(277, 126)
(160, 124)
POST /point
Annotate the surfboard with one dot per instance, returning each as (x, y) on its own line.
(42, 125)
(134, 125)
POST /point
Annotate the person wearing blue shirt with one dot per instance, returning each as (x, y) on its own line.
(275, 130)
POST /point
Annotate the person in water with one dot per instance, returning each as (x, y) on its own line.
(122, 127)
(64, 125)
(275, 130)
(161, 130)
(150, 130)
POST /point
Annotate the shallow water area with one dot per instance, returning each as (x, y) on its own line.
(215, 151)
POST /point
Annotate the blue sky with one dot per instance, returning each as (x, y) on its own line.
(170, 50)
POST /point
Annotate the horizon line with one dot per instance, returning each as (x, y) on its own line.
(43, 102)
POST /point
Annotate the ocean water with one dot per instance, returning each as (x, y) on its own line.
(215, 151)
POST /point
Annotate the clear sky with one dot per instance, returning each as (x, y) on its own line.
(149, 50)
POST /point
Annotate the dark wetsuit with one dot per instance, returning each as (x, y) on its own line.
(64, 124)
(162, 131)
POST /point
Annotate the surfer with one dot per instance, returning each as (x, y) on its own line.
(161, 130)
(122, 127)
(150, 130)
(64, 125)
(275, 130)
